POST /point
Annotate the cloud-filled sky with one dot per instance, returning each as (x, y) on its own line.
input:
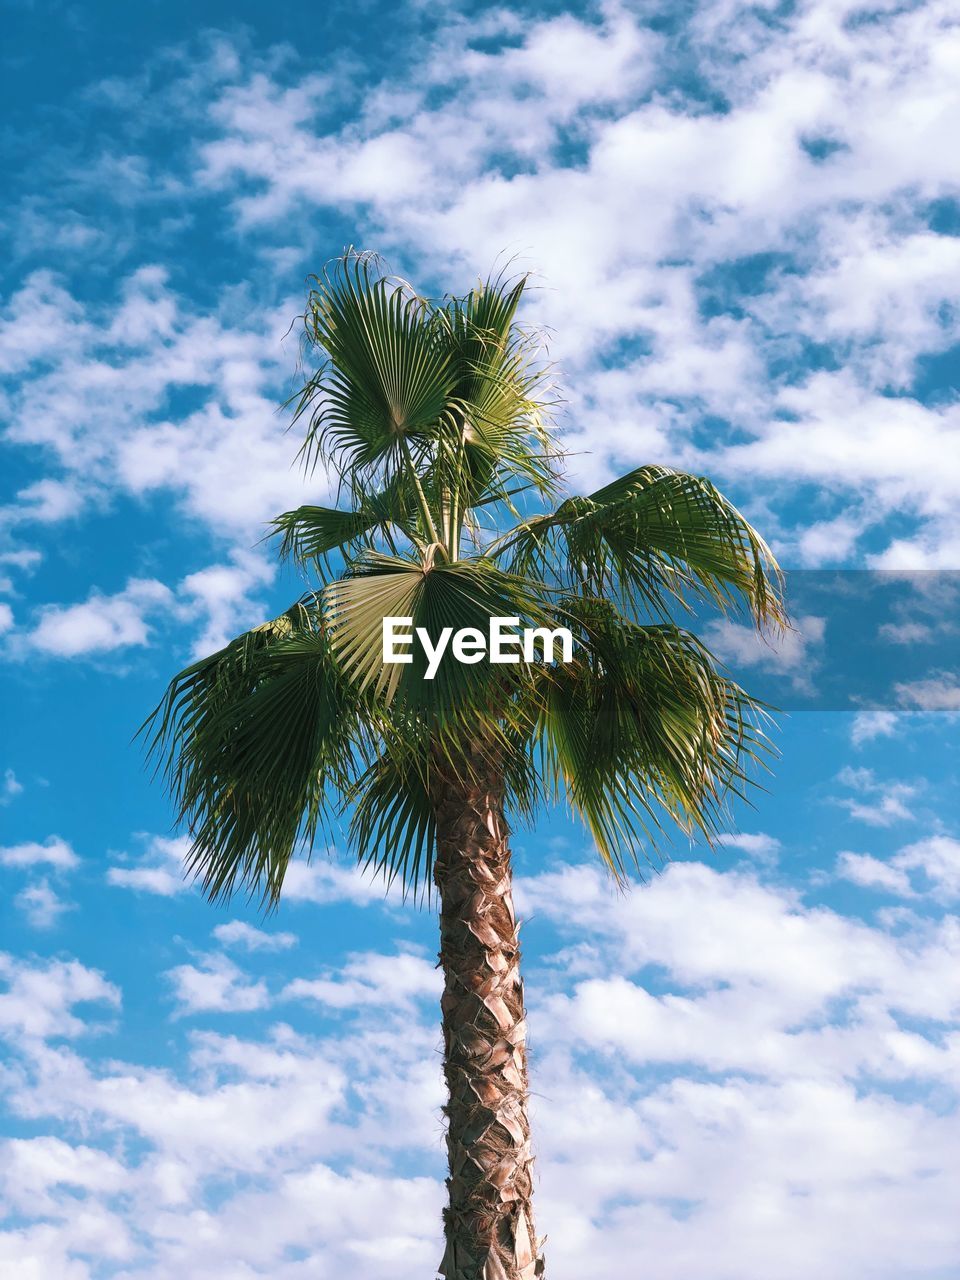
(743, 224)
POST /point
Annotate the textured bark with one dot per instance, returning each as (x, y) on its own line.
(488, 1223)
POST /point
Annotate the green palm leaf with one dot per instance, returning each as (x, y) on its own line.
(643, 724)
(386, 378)
(438, 596)
(309, 534)
(255, 741)
(652, 537)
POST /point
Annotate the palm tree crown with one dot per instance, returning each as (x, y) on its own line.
(432, 417)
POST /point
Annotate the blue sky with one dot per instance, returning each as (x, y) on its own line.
(744, 226)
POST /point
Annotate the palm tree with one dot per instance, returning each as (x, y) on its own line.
(432, 415)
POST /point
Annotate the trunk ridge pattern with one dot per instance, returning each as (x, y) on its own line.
(489, 1219)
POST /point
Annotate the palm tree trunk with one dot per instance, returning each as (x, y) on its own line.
(488, 1223)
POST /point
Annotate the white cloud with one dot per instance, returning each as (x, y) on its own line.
(885, 289)
(54, 852)
(99, 409)
(35, 1169)
(221, 592)
(39, 998)
(46, 501)
(662, 191)
(872, 873)
(325, 882)
(217, 602)
(829, 542)
(798, 1158)
(217, 985)
(25, 559)
(608, 62)
(781, 1027)
(40, 308)
(885, 802)
(371, 979)
(758, 844)
(321, 880)
(101, 623)
(10, 787)
(794, 653)
(41, 1252)
(236, 933)
(938, 693)
(41, 905)
(6, 617)
(906, 632)
(158, 870)
(774, 1020)
(364, 1223)
(756, 936)
(572, 140)
(938, 858)
(868, 725)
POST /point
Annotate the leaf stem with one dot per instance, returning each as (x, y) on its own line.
(421, 496)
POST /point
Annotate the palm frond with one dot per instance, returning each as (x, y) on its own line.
(386, 379)
(309, 534)
(641, 725)
(438, 596)
(254, 742)
(495, 431)
(392, 829)
(652, 537)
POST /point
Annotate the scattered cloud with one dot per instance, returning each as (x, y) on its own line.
(734, 269)
(930, 866)
(757, 845)
(46, 501)
(325, 882)
(371, 979)
(10, 787)
(101, 623)
(795, 653)
(787, 301)
(110, 430)
(41, 906)
(938, 860)
(221, 595)
(40, 999)
(54, 852)
(884, 802)
(938, 693)
(906, 632)
(788, 1031)
(216, 602)
(873, 873)
(159, 869)
(216, 985)
(866, 726)
(236, 933)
